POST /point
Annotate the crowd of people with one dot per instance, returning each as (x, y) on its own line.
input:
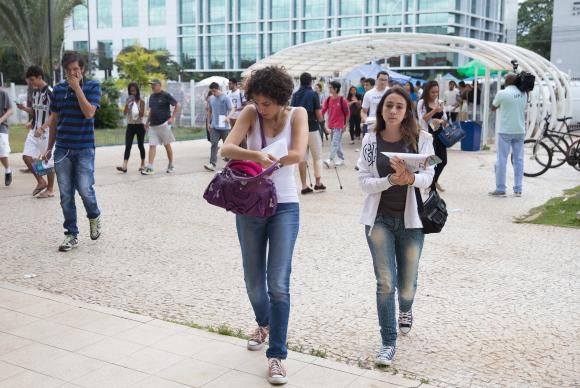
(383, 118)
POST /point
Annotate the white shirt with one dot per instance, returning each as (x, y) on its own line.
(451, 99)
(371, 100)
(236, 98)
(373, 185)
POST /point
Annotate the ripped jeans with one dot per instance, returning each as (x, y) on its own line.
(396, 252)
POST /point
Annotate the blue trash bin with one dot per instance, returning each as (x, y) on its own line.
(472, 139)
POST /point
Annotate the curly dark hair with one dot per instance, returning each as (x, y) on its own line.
(409, 128)
(272, 82)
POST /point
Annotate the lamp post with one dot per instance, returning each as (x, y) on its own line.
(50, 42)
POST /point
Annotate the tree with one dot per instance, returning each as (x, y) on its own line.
(535, 26)
(24, 23)
(139, 65)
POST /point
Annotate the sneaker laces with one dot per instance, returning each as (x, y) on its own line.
(259, 335)
(406, 318)
(386, 352)
(276, 368)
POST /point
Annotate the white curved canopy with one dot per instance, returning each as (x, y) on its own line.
(338, 56)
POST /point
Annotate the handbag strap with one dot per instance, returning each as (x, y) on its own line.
(267, 172)
(261, 123)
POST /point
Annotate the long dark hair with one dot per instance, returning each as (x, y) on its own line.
(427, 90)
(134, 85)
(409, 128)
(351, 93)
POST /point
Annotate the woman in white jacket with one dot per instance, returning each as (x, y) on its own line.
(390, 215)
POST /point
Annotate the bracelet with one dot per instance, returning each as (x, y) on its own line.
(412, 183)
(389, 179)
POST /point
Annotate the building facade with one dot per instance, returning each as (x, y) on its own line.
(566, 37)
(230, 35)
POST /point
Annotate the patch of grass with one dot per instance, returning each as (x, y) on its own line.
(221, 329)
(425, 381)
(485, 147)
(559, 211)
(318, 353)
(104, 137)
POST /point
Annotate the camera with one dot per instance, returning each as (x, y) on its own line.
(524, 81)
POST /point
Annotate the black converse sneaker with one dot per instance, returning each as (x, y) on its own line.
(385, 356)
(405, 321)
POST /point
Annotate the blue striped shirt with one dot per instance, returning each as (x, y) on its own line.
(73, 130)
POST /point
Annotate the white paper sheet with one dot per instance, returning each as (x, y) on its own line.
(278, 149)
(415, 162)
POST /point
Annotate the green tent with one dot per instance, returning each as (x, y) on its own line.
(468, 70)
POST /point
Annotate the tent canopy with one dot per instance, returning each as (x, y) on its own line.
(370, 70)
(451, 77)
(468, 70)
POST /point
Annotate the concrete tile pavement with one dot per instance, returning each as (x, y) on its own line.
(148, 353)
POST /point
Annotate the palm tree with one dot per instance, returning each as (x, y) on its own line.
(24, 23)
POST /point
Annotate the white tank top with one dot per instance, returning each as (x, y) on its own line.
(283, 178)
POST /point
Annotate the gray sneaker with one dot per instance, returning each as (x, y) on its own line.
(518, 193)
(385, 356)
(70, 242)
(276, 372)
(496, 193)
(170, 169)
(95, 224)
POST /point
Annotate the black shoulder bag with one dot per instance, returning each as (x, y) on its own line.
(433, 212)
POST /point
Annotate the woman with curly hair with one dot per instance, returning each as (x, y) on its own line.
(267, 244)
(393, 228)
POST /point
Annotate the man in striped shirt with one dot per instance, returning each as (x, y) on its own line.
(37, 139)
(72, 109)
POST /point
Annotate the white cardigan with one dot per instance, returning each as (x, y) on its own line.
(373, 185)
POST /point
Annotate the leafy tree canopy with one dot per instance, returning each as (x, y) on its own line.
(535, 26)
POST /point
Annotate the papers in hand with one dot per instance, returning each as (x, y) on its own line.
(415, 162)
(279, 148)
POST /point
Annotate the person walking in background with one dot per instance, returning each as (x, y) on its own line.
(5, 112)
(308, 99)
(452, 101)
(267, 244)
(432, 118)
(237, 97)
(355, 106)
(360, 89)
(159, 125)
(338, 115)
(418, 89)
(220, 106)
(393, 227)
(511, 103)
(72, 133)
(319, 89)
(37, 139)
(411, 92)
(134, 111)
(372, 98)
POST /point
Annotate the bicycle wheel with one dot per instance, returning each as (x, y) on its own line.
(537, 158)
(559, 151)
(573, 158)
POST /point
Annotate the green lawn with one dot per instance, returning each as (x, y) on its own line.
(559, 211)
(104, 137)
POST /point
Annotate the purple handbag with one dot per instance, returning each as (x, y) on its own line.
(242, 194)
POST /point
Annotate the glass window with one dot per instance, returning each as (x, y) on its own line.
(247, 27)
(279, 26)
(410, 5)
(157, 44)
(314, 8)
(247, 50)
(279, 42)
(105, 54)
(389, 21)
(281, 9)
(390, 6)
(187, 30)
(473, 6)
(156, 12)
(348, 32)
(409, 19)
(314, 24)
(187, 11)
(394, 61)
(248, 10)
(351, 7)
(350, 23)
(442, 30)
(217, 29)
(104, 14)
(433, 18)
(310, 36)
(433, 5)
(435, 59)
(217, 11)
(80, 15)
(130, 42)
(217, 52)
(130, 10)
(187, 52)
(81, 46)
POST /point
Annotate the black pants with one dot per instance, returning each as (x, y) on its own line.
(354, 126)
(453, 116)
(132, 130)
(441, 152)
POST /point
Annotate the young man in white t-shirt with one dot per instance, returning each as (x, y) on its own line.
(237, 98)
(372, 99)
(37, 138)
(452, 101)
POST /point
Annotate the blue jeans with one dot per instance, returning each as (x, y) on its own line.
(75, 170)
(506, 141)
(267, 275)
(396, 252)
(336, 144)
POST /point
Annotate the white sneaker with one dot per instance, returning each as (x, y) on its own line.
(405, 321)
(327, 163)
(209, 167)
(340, 162)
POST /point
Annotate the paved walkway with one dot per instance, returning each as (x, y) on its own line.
(497, 302)
(53, 341)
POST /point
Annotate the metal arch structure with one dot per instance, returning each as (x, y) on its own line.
(338, 56)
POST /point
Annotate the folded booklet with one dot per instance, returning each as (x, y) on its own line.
(415, 162)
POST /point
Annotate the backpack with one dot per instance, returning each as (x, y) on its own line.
(327, 101)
